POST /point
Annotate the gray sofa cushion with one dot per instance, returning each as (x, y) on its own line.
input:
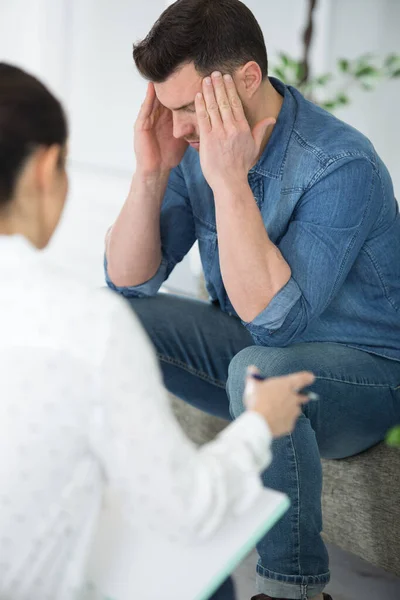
(361, 496)
(361, 505)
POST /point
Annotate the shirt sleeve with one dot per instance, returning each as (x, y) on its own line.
(177, 237)
(328, 229)
(164, 479)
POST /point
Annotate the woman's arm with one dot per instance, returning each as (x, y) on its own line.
(164, 478)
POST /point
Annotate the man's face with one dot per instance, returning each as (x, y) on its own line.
(178, 93)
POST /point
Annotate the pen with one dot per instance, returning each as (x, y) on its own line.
(310, 395)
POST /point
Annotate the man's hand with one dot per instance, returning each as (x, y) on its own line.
(228, 147)
(156, 149)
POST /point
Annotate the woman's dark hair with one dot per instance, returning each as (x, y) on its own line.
(30, 116)
(213, 34)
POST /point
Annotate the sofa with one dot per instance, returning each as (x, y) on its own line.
(361, 495)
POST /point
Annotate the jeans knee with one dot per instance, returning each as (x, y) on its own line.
(139, 305)
(237, 377)
(235, 383)
(272, 362)
(149, 310)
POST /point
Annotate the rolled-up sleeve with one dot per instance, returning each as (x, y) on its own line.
(148, 288)
(325, 235)
(177, 237)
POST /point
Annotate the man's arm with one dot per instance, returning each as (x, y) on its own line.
(133, 245)
(321, 245)
(278, 291)
(252, 268)
(173, 229)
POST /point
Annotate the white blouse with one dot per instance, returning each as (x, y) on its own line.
(82, 408)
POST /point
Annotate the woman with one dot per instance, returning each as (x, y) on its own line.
(82, 400)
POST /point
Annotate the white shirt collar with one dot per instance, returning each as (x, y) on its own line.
(15, 248)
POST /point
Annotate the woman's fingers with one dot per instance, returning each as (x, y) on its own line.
(300, 380)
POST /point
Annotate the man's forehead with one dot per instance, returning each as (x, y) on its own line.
(180, 89)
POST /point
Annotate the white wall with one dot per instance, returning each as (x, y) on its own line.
(82, 48)
(35, 34)
(105, 89)
(359, 26)
(345, 28)
(283, 23)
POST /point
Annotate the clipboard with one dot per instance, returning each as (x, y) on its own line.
(129, 564)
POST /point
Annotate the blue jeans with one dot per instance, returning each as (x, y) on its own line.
(225, 592)
(204, 354)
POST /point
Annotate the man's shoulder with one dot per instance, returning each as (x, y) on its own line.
(324, 138)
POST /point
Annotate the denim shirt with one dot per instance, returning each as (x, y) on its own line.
(328, 204)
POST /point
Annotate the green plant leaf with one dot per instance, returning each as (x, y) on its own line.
(367, 86)
(342, 99)
(393, 437)
(344, 65)
(391, 60)
(362, 70)
(330, 105)
(285, 59)
(366, 71)
(279, 72)
(308, 86)
(323, 79)
(299, 71)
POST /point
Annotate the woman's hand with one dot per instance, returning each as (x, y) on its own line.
(277, 399)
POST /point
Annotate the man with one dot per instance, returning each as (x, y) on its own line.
(299, 235)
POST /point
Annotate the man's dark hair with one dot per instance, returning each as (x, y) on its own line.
(218, 35)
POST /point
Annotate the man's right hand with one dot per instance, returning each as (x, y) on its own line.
(156, 149)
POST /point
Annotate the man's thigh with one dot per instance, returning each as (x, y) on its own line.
(358, 402)
(195, 342)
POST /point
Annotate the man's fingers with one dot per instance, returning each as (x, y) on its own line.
(211, 103)
(234, 99)
(221, 95)
(203, 118)
(148, 103)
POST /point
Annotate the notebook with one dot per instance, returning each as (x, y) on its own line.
(142, 565)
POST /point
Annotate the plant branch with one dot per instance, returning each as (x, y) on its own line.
(307, 40)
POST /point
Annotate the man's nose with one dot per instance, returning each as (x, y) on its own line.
(182, 126)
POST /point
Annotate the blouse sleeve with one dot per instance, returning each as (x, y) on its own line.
(162, 476)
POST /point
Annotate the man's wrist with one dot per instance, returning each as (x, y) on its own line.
(152, 178)
(237, 188)
(149, 186)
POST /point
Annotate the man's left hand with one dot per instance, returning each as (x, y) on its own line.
(229, 148)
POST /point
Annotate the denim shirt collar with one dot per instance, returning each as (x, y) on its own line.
(272, 160)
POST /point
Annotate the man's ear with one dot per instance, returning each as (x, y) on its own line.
(47, 163)
(249, 78)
